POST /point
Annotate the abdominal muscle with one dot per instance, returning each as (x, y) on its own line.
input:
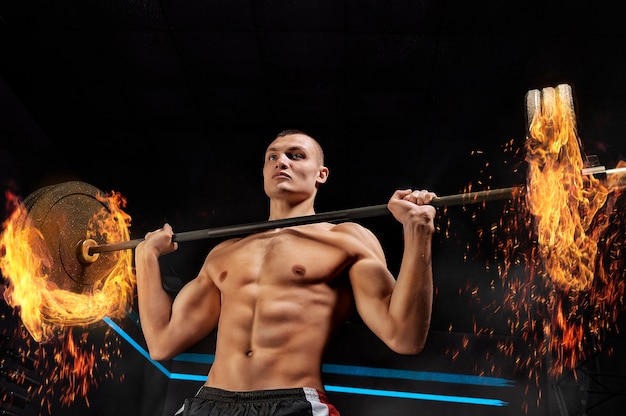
(281, 298)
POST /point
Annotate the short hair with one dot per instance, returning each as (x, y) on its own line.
(320, 151)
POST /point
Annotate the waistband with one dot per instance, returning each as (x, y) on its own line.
(308, 393)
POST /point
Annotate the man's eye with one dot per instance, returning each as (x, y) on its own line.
(297, 156)
(272, 157)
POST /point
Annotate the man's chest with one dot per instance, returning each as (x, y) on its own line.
(280, 257)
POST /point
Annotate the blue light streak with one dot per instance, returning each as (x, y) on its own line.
(347, 370)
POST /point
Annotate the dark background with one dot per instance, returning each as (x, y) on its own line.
(172, 104)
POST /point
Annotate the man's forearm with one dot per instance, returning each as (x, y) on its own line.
(411, 302)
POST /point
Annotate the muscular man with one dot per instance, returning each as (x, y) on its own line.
(276, 296)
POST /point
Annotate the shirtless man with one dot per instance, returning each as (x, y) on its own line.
(276, 296)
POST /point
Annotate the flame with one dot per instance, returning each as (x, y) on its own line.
(561, 199)
(64, 370)
(557, 250)
(572, 286)
(78, 367)
(60, 320)
(26, 262)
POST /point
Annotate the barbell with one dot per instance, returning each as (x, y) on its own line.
(69, 216)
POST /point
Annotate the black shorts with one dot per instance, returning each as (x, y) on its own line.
(281, 402)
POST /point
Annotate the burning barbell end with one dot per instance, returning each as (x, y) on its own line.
(543, 103)
(88, 250)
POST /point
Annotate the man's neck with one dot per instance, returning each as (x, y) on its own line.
(283, 209)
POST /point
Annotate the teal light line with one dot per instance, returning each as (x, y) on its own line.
(195, 358)
(416, 375)
(329, 388)
(134, 343)
(358, 371)
(377, 372)
(417, 396)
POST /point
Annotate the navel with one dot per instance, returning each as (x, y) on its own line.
(299, 270)
(223, 276)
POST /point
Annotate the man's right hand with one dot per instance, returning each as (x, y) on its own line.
(159, 241)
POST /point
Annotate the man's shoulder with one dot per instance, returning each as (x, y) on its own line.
(354, 229)
(360, 239)
(226, 243)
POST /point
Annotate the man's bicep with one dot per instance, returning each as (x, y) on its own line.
(372, 285)
(195, 310)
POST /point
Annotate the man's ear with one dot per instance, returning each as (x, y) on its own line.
(322, 175)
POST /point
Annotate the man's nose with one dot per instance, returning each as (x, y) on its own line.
(282, 162)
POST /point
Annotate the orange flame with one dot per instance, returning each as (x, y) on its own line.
(78, 368)
(557, 249)
(573, 287)
(561, 199)
(45, 308)
(49, 313)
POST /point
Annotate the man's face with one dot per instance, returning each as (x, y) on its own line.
(293, 166)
